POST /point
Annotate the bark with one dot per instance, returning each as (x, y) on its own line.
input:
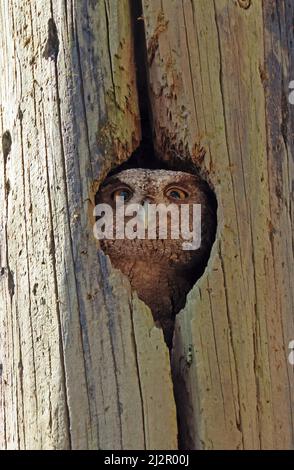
(219, 74)
(82, 364)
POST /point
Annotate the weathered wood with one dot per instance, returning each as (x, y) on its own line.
(219, 73)
(82, 365)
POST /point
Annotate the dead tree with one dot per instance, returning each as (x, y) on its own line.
(82, 364)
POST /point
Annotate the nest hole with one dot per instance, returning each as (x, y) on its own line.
(160, 270)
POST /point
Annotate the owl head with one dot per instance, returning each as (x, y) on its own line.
(153, 190)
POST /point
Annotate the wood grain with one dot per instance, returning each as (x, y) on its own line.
(82, 365)
(219, 76)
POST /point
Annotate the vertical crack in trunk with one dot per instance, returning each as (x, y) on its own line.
(145, 156)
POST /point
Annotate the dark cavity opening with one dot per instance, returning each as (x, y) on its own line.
(6, 144)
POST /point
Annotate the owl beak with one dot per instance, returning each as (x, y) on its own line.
(144, 212)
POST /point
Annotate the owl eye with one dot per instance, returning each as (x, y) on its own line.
(124, 193)
(177, 193)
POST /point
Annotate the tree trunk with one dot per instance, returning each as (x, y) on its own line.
(82, 364)
(221, 69)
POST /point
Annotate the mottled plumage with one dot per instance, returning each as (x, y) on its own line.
(160, 271)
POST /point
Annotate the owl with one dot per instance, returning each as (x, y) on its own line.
(159, 268)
